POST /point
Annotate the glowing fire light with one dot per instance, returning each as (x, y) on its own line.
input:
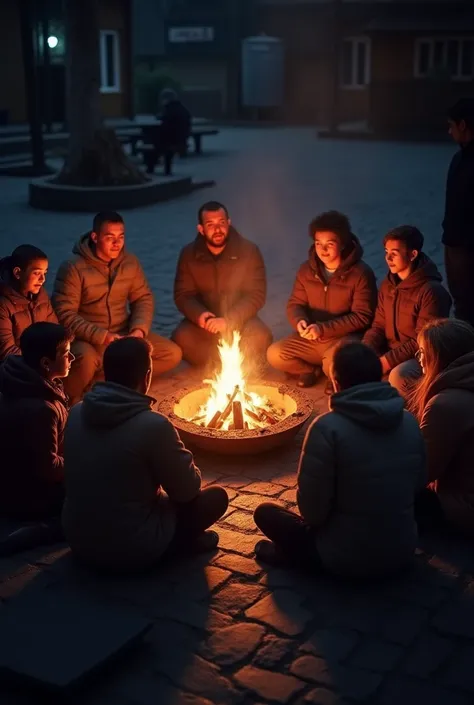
(228, 390)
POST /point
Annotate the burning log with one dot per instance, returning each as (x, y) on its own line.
(238, 415)
(219, 417)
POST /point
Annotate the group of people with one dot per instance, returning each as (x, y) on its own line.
(394, 450)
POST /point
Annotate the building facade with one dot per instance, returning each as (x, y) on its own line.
(48, 27)
(395, 65)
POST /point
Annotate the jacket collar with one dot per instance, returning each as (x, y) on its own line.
(231, 251)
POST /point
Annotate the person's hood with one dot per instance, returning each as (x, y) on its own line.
(376, 405)
(352, 255)
(84, 248)
(425, 271)
(108, 405)
(458, 375)
(19, 381)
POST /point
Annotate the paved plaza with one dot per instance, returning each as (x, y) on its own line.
(226, 630)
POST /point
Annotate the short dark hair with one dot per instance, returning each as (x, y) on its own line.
(24, 255)
(355, 363)
(334, 222)
(105, 217)
(411, 236)
(211, 206)
(42, 340)
(463, 110)
(126, 361)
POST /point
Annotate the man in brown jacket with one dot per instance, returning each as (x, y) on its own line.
(411, 295)
(334, 296)
(102, 294)
(220, 286)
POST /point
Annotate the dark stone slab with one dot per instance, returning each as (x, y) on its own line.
(55, 638)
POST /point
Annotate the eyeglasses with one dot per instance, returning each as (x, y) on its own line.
(420, 353)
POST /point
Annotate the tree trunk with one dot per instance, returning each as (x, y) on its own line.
(95, 157)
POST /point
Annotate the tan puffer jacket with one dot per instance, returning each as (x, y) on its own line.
(92, 297)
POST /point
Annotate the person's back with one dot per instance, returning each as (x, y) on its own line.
(118, 455)
(378, 467)
(33, 414)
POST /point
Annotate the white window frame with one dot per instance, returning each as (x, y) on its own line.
(104, 34)
(431, 41)
(356, 42)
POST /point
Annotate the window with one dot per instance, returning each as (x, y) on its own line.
(452, 57)
(109, 62)
(355, 63)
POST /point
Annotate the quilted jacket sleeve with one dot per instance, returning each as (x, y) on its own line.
(185, 291)
(141, 302)
(297, 306)
(375, 337)
(7, 341)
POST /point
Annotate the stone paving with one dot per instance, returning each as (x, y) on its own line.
(226, 629)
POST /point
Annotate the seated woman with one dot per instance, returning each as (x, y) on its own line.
(360, 468)
(23, 299)
(33, 414)
(444, 406)
(334, 296)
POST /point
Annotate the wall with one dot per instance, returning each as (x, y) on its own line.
(115, 15)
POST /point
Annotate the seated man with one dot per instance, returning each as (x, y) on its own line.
(334, 295)
(411, 295)
(33, 414)
(220, 286)
(101, 294)
(119, 456)
(360, 467)
(23, 298)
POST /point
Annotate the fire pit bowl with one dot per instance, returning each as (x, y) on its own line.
(184, 405)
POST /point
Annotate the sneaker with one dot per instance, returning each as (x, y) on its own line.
(206, 542)
(309, 379)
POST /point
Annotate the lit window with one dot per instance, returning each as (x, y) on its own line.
(355, 71)
(453, 57)
(109, 62)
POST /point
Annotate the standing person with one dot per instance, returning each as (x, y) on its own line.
(23, 298)
(102, 294)
(360, 468)
(33, 414)
(119, 456)
(458, 223)
(444, 406)
(220, 286)
(334, 295)
(411, 295)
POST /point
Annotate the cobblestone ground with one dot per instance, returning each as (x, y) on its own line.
(226, 630)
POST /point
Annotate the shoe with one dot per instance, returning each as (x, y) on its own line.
(267, 552)
(309, 379)
(206, 542)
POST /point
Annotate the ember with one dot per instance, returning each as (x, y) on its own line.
(231, 406)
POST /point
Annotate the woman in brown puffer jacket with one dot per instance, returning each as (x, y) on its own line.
(444, 405)
(23, 299)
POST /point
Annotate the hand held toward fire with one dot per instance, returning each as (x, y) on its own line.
(110, 337)
(385, 365)
(216, 325)
(136, 333)
(204, 318)
(301, 326)
(312, 332)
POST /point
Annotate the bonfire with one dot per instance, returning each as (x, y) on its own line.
(230, 405)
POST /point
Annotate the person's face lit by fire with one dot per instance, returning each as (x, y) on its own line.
(328, 248)
(399, 258)
(61, 365)
(110, 242)
(215, 228)
(31, 279)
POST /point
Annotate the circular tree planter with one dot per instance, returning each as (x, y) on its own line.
(47, 195)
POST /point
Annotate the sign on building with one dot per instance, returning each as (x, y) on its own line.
(184, 35)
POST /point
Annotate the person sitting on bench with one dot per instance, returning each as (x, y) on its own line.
(360, 469)
(119, 456)
(33, 414)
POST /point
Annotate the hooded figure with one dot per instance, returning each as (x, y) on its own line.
(33, 414)
(118, 455)
(447, 424)
(360, 468)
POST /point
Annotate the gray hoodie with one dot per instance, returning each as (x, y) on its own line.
(360, 467)
(118, 453)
